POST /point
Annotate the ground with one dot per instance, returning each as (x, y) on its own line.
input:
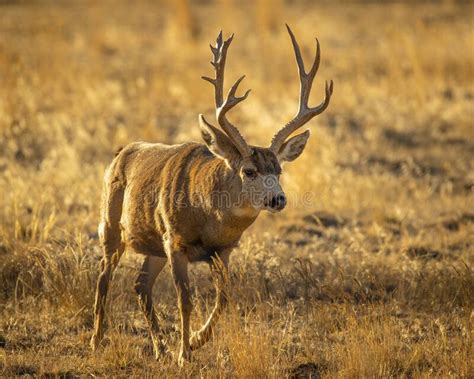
(367, 273)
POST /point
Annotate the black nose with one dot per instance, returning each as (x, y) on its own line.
(278, 201)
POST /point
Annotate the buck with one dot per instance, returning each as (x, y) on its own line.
(159, 200)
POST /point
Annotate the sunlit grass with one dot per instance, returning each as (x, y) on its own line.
(370, 277)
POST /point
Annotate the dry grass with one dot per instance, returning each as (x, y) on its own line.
(371, 277)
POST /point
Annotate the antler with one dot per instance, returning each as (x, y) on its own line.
(224, 105)
(305, 113)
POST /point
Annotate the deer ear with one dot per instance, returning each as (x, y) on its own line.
(293, 148)
(217, 142)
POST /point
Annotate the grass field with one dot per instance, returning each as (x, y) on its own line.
(368, 273)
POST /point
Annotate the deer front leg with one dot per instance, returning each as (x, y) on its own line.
(179, 270)
(220, 275)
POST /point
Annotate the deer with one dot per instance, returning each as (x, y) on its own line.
(159, 201)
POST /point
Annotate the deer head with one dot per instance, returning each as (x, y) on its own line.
(259, 168)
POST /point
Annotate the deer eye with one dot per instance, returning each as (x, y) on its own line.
(249, 173)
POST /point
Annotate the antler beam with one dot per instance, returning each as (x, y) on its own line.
(305, 112)
(224, 105)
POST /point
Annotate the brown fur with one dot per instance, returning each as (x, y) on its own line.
(167, 195)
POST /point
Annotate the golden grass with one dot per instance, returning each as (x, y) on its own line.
(370, 276)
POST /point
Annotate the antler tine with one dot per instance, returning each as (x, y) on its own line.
(305, 112)
(296, 48)
(317, 60)
(232, 99)
(224, 105)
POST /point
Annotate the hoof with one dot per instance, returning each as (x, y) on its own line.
(184, 358)
(95, 342)
(198, 340)
(195, 342)
(161, 350)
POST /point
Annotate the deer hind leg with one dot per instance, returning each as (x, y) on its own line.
(220, 275)
(151, 267)
(113, 246)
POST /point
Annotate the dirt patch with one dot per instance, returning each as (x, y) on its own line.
(60, 375)
(312, 225)
(414, 140)
(453, 223)
(304, 371)
(300, 229)
(23, 370)
(453, 185)
(396, 137)
(422, 252)
(407, 166)
(397, 167)
(324, 220)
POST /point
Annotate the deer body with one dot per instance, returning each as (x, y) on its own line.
(174, 188)
(191, 202)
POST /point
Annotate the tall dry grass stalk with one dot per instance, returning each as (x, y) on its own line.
(370, 277)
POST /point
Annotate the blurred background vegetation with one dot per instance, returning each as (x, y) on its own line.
(374, 279)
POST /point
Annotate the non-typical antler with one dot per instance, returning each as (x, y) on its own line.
(224, 105)
(305, 113)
